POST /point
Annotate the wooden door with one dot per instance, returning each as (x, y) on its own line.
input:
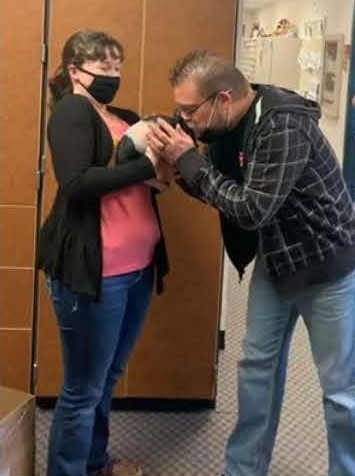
(21, 38)
(176, 354)
(123, 20)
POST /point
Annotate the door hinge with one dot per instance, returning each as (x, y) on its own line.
(42, 164)
(40, 172)
(44, 53)
(35, 374)
(38, 180)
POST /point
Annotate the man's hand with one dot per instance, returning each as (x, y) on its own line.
(165, 172)
(168, 142)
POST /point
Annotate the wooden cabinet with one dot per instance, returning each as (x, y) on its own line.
(271, 61)
(283, 61)
(176, 354)
(21, 69)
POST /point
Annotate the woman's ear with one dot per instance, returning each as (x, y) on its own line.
(73, 72)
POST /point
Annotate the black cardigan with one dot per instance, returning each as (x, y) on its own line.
(70, 239)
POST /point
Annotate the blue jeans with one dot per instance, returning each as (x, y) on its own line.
(97, 339)
(328, 311)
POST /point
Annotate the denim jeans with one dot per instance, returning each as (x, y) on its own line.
(328, 311)
(97, 339)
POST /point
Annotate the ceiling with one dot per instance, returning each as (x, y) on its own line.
(256, 4)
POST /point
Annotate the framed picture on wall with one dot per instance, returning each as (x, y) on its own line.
(311, 59)
(314, 30)
(332, 74)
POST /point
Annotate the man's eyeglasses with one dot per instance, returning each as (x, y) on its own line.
(191, 110)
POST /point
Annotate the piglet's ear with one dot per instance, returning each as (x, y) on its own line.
(126, 150)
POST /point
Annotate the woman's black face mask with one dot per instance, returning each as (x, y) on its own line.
(103, 88)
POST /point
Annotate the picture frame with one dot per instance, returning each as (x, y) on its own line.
(311, 58)
(314, 30)
(332, 74)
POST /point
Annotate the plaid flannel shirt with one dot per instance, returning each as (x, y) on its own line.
(293, 194)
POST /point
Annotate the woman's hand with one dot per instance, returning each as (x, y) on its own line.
(157, 185)
(165, 172)
(152, 155)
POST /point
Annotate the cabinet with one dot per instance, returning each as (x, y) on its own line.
(271, 61)
(176, 355)
(20, 88)
(247, 62)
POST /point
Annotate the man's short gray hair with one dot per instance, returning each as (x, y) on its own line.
(212, 72)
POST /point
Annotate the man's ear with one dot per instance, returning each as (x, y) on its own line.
(226, 96)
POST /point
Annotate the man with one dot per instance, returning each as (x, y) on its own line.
(275, 180)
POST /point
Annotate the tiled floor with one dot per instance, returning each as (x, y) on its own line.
(192, 444)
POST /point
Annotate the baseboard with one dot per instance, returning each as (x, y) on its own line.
(221, 340)
(146, 404)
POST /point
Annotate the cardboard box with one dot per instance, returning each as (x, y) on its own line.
(17, 438)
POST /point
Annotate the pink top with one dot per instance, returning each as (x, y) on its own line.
(129, 225)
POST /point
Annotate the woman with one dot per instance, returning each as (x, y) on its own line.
(100, 248)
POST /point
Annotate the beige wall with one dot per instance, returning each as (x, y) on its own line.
(338, 20)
